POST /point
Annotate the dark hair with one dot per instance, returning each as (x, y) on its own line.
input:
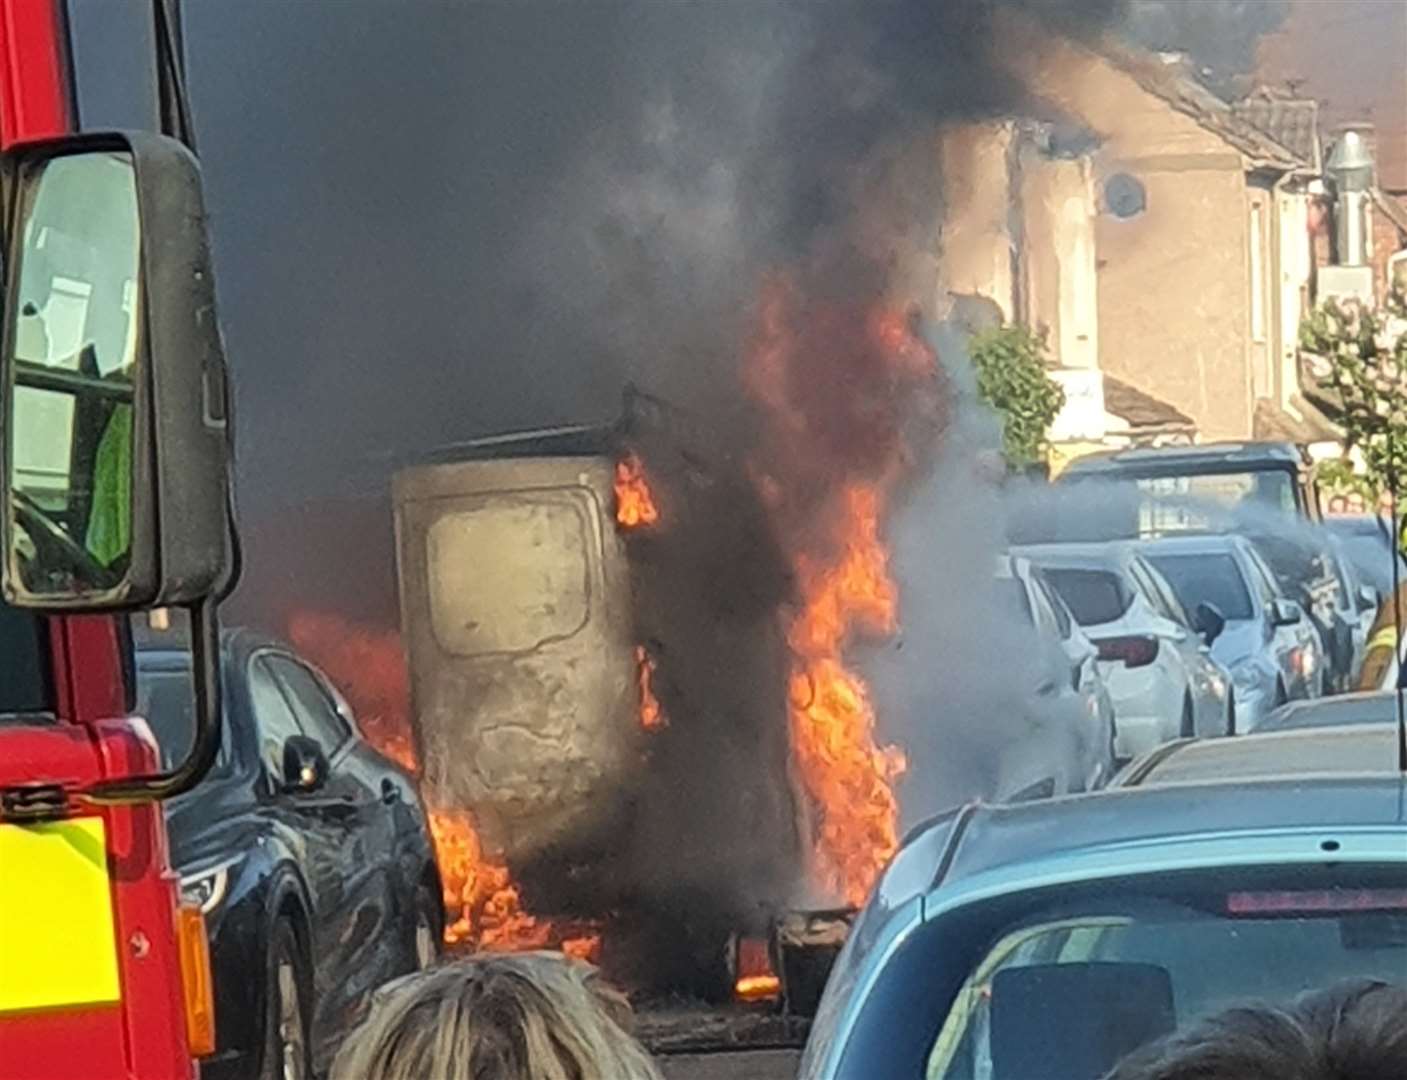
(1356, 1030)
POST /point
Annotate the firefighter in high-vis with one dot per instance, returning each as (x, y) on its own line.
(1385, 635)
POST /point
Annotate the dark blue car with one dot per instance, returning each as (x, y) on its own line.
(308, 851)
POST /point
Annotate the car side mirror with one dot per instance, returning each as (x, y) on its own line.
(1285, 612)
(1208, 621)
(305, 766)
(116, 449)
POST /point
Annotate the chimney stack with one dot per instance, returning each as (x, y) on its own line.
(1350, 165)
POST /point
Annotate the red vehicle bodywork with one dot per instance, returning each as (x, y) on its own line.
(143, 1035)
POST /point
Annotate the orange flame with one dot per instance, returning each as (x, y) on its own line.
(483, 908)
(635, 503)
(848, 776)
(652, 716)
(756, 980)
(851, 424)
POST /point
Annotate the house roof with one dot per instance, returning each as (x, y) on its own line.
(1170, 81)
(1291, 121)
(1141, 410)
(1269, 421)
(1392, 208)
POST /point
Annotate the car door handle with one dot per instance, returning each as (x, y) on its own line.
(390, 793)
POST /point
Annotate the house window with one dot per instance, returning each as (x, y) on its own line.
(1258, 272)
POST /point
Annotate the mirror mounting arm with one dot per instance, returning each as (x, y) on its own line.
(205, 659)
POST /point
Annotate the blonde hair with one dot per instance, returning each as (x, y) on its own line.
(522, 1016)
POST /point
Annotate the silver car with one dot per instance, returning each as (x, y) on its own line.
(1263, 637)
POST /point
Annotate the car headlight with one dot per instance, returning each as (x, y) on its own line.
(206, 888)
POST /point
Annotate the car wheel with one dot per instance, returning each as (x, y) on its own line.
(287, 1048)
(427, 927)
(1189, 727)
(1281, 695)
(1230, 714)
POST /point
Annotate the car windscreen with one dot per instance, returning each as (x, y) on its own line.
(1206, 578)
(1093, 596)
(1062, 983)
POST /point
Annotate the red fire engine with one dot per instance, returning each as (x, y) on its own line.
(114, 465)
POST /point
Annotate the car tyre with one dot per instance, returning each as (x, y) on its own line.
(1189, 725)
(1230, 714)
(287, 1007)
(426, 928)
(1282, 696)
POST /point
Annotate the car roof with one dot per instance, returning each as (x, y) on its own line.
(1368, 706)
(1361, 749)
(1224, 792)
(991, 837)
(153, 653)
(1231, 453)
(1358, 525)
(1107, 553)
(1193, 544)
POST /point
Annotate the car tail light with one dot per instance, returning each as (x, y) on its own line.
(1316, 901)
(1136, 651)
(196, 980)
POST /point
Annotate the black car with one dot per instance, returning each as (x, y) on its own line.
(308, 851)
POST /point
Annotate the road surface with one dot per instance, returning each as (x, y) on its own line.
(732, 1065)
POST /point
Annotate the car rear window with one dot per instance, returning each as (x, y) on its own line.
(1165, 967)
(1206, 578)
(1058, 984)
(1094, 596)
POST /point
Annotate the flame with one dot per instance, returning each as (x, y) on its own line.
(848, 776)
(756, 979)
(652, 716)
(842, 388)
(635, 503)
(483, 908)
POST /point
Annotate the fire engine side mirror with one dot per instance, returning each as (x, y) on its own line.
(116, 448)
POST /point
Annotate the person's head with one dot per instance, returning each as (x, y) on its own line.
(1356, 1030)
(1356, 503)
(1337, 504)
(523, 1016)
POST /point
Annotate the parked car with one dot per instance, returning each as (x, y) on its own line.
(1358, 601)
(1306, 569)
(1262, 490)
(1011, 942)
(1262, 637)
(1068, 741)
(1364, 707)
(1368, 541)
(309, 853)
(1161, 675)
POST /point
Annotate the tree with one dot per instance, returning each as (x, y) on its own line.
(1357, 356)
(1012, 378)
